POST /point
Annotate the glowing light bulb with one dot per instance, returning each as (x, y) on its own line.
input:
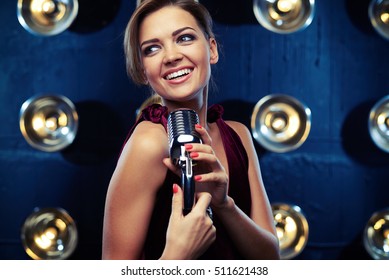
(48, 7)
(285, 6)
(385, 18)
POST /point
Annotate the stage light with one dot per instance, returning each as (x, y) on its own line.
(379, 124)
(379, 17)
(376, 235)
(46, 17)
(49, 122)
(292, 229)
(284, 16)
(280, 123)
(49, 234)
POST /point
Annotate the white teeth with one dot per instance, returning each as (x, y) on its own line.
(178, 74)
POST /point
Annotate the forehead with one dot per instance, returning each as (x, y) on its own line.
(165, 21)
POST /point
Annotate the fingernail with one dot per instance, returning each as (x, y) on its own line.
(197, 178)
(188, 146)
(194, 155)
(198, 125)
(175, 188)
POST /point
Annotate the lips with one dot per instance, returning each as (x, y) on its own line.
(178, 74)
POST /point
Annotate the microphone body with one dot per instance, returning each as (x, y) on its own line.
(181, 131)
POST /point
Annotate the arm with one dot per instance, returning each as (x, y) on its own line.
(131, 192)
(258, 239)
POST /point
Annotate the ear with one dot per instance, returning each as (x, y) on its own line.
(214, 54)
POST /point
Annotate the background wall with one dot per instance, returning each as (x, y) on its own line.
(337, 67)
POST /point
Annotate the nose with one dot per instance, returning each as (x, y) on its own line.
(172, 55)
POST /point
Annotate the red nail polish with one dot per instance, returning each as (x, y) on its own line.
(198, 126)
(194, 155)
(188, 146)
(175, 188)
(197, 178)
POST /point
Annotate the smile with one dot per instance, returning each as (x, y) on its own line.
(178, 74)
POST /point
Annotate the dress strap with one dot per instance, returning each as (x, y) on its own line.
(215, 112)
(155, 113)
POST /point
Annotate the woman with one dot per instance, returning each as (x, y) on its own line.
(170, 46)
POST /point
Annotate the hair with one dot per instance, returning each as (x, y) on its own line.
(131, 37)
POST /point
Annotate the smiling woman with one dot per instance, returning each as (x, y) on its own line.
(170, 47)
(176, 58)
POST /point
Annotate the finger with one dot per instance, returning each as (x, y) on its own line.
(202, 203)
(217, 177)
(203, 148)
(205, 157)
(169, 164)
(203, 134)
(213, 167)
(177, 201)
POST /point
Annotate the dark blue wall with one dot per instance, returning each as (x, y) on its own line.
(337, 67)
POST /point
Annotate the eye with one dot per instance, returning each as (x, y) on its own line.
(186, 38)
(150, 49)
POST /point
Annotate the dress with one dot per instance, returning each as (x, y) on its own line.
(239, 190)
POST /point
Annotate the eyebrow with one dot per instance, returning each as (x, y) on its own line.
(178, 31)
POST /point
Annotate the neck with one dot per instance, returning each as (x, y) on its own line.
(200, 105)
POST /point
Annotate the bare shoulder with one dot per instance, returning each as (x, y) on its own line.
(241, 130)
(147, 139)
(144, 151)
(149, 131)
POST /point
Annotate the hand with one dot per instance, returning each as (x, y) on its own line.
(188, 237)
(210, 175)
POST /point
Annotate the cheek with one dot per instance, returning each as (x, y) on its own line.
(150, 70)
(205, 58)
(206, 66)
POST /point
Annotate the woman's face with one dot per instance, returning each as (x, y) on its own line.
(176, 55)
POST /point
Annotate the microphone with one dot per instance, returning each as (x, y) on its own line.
(181, 130)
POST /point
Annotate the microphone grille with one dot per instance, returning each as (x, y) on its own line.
(182, 122)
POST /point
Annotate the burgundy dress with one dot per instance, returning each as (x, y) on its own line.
(223, 247)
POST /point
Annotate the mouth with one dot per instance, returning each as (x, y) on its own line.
(178, 74)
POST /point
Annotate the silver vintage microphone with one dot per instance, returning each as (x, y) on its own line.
(181, 130)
